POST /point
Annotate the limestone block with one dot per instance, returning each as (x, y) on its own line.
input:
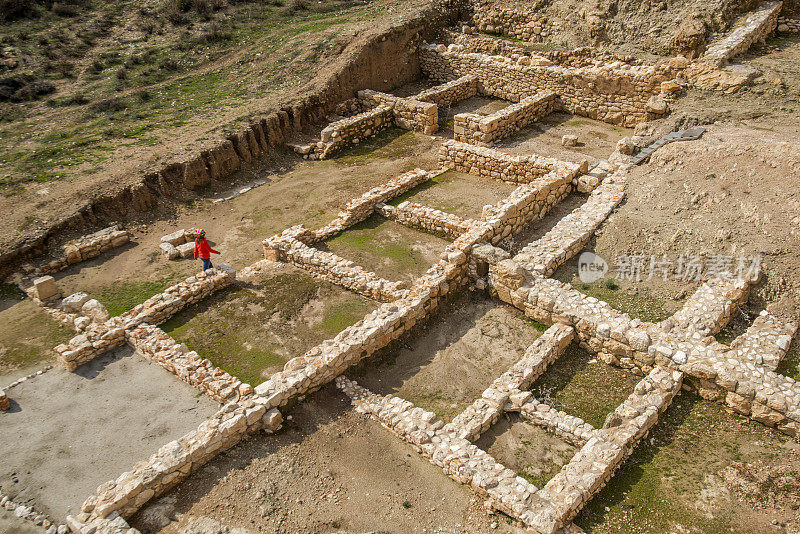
(45, 287)
(186, 250)
(4, 402)
(569, 140)
(74, 302)
(170, 251)
(95, 311)
(176, 238)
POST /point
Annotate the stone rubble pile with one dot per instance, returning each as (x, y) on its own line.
(157, 346)
(787, 25)
(177, 459)
(360, 209)
(751, 28)
(484, 130)
(458, 458)
(573, 232)
(500, 166)
(85, 248)
(507, 393)
(527, 25)
(179, 244)
(97, 339)
(409, 113)
(616, 93)
(333, 268)
(766, 341)
(424, 218)
(449, 93)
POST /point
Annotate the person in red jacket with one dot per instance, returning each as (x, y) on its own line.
(203, 250)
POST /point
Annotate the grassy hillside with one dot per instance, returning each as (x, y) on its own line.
(86, 80)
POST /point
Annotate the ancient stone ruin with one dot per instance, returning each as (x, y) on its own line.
(667, 357)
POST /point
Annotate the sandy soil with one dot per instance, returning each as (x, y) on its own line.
(84, 428)
(458, 193)
(447, 363)
(329, 470)
(596, 140)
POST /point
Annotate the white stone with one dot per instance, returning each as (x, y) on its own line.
(45, 287)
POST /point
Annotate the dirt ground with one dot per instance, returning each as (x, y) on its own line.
(448, 362)
(251, 330)
(329, 470)
(596, 140)
(73, 431)
(458, 193)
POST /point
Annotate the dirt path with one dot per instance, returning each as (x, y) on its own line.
(66, 433)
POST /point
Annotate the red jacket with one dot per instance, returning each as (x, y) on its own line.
(202, 249)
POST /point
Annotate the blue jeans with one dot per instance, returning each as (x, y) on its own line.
(206, 263)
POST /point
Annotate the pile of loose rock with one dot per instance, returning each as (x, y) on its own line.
(502, 167)
(179, 244)
(749, 29)
(424, 218)
(157, 346)
(616, 93)
(29, 514)
(85, 248)
(484, 130)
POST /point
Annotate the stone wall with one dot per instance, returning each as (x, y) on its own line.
(526, 25)
(484, 130)
(766, 341)
(361, 208)
(749, 29)
(85, 248)
(100, 338)
(450, 92)
(500, 166)
(409, 113)
(788, 25)
(424, 218)
(351, 131)
(614, 93)
(333, 268)
(157, 346)
(175, 460)
(573, 232)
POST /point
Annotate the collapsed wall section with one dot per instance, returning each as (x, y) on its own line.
(614, 93)
(484, 130)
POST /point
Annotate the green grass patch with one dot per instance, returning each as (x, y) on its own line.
(339, 316)
(587, 390)
(642, 305)
(28, 335)
(658, 487)
(121, 297)
(392, 143)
